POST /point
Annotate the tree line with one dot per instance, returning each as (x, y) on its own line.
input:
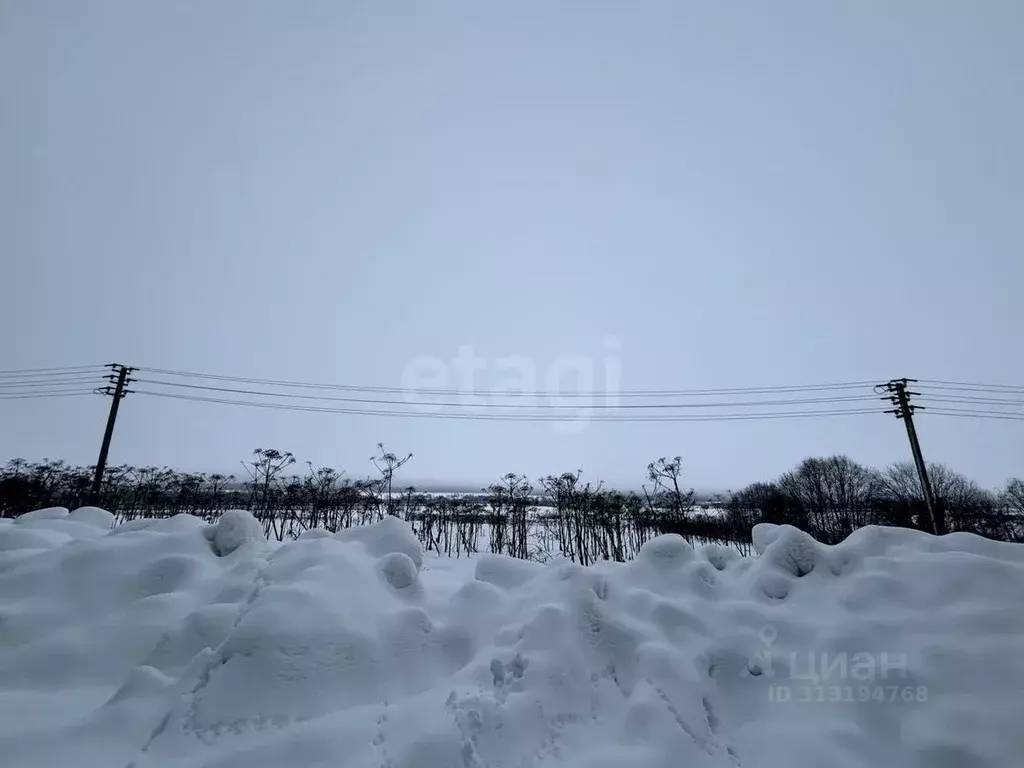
(832, 497)
(557, 515)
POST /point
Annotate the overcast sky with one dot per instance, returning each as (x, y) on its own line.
(711, 194)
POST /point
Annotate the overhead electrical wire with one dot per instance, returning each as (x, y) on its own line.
(524, 393)
(48, 383)
(976, 415)
(952, 392)
(470, 410)
(48, 372)
(936, 397)
(977, 400)
(509, 417)
(948, 411)
(24, 385)
(966, 386)
(603, 406)
(41, 395)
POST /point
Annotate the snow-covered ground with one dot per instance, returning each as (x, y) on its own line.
(173, 643)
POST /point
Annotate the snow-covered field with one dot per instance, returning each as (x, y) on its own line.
(173, 643)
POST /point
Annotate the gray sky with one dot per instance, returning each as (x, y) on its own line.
(740, 194)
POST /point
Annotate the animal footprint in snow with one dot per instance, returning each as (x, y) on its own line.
(502, 672)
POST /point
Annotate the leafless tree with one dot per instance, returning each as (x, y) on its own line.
(962, 505)
(1013, 496)
(834, 493)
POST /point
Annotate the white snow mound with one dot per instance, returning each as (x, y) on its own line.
(50, 513)
(93, 516)
(235, 528)
(389, 535)
(173, 643)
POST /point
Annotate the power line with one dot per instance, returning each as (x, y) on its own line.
(979, 400)
(603, 406)
(1000, 417)
(946, 411)
(51, 390)
(509, 417)
(30, 372)
(967, 391)
(50, 382)
(41, 395)
(970, 386)
(534, 393)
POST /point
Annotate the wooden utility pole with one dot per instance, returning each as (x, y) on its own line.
(116, 388)
(900, 397)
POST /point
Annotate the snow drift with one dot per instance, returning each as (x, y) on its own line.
(174, 643)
